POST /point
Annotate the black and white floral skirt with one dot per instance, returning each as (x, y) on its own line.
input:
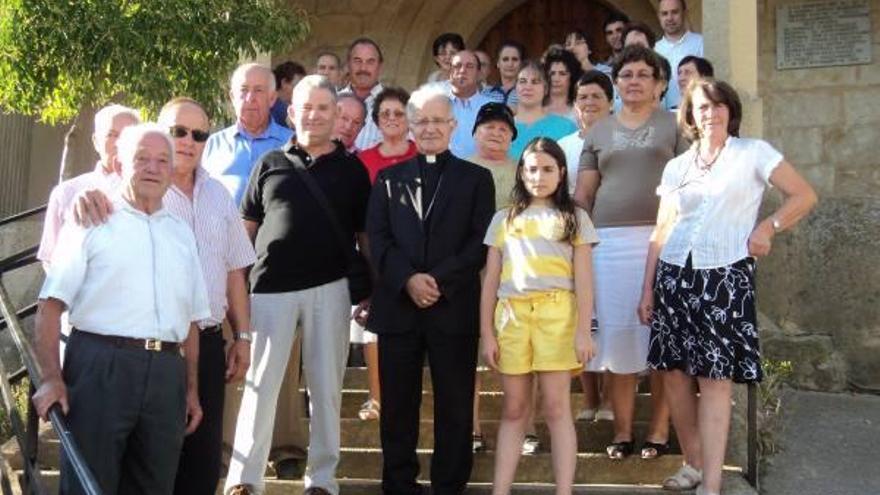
(704, 321)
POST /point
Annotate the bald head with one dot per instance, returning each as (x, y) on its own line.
(188, 125)
(252, 91)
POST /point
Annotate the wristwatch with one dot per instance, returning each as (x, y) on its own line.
(245, 336)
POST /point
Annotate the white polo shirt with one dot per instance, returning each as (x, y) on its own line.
(689, 44)
(136, 275)
(718, 208)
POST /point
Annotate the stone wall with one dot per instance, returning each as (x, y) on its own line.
(821, 286)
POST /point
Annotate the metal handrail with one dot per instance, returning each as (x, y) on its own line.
(25, 257)
(26, 437)
(22, 215)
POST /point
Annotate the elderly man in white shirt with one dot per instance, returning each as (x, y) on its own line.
(135, 290)
(677, 42)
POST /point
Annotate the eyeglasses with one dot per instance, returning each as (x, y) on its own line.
(179, 131)
(388, 114)
(437, 121)
(641, 76)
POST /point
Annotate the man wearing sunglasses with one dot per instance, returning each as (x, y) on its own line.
(225, 252)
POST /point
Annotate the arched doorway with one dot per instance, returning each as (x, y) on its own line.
(537, 24)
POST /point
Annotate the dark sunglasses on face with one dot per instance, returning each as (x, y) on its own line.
(179, 131)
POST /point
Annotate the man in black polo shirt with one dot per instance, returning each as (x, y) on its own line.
(299, 279)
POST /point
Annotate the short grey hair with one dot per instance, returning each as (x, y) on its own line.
(243, 69)
(104, 117)
(314, 81)
(126, 146)
(424, 94)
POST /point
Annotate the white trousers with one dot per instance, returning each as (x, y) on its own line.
(323, 314)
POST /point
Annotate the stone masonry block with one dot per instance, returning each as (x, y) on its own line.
(852, 148)
(800, 145)
(862, 106)
(815, 363)
(804, 109)
(862, 350)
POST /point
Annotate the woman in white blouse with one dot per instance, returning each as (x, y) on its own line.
(698, 293)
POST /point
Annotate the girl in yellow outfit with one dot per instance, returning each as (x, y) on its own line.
(535, 308)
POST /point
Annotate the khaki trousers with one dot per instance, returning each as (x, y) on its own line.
(290, 438)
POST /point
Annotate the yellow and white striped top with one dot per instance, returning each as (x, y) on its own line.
(533, 257)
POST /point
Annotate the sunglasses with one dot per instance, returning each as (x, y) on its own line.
(179, 131)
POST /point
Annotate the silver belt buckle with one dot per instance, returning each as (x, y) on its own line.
(154, 345)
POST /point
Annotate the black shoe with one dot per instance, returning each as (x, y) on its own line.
(289, 469)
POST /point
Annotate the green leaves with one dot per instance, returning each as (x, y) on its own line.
(59, 55)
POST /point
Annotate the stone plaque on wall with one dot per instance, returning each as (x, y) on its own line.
(823, 33)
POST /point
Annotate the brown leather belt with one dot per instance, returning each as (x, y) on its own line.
(152, 345)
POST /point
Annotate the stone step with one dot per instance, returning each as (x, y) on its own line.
(591, 468)
(353, 486)
(734, 484)
(356, 379)
(592, 436)
(490, 404)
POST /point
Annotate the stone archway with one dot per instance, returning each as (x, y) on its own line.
(406, 28)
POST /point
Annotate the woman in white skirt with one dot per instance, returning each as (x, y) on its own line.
(620, 168)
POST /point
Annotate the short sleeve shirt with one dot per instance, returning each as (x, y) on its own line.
(296, 245)
(533, 257)
(136, 275)
(716, 208)
(230, 154)
(630, 163)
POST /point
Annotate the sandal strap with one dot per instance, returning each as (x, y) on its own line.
(687, 477)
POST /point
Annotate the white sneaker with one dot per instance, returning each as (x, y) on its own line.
(605, 415)
(586, 415)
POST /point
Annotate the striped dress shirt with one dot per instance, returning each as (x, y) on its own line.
(223, 244)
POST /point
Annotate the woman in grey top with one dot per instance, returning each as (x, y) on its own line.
(620, 168)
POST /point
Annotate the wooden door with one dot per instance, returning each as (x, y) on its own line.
(539, 23)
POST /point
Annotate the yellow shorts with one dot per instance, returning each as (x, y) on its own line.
(536, 333)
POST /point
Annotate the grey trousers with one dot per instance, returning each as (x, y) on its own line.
(322, 314)
(127, 415)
